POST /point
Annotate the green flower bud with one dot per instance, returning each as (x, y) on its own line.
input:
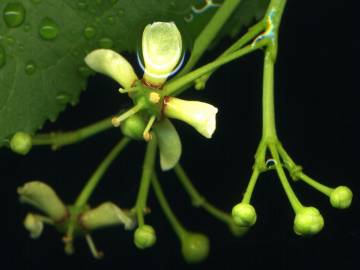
(106, 214)
(34, 225)
(21, 143)
(133, 127)
(244, 214)
(112, 64)
(144, 237)
(200, 115)
(308, 221)
(44, 198)
(195, 247)
(341, 197)
(162, 49)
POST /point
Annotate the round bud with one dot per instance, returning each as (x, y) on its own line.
(195, 247)
(244, 214)
(144, 237)
(21, 143)
(34, 225)
(308, 221)
(341, 197)
(133, 127)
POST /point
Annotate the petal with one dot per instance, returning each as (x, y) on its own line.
(112, 64)
(200, 115)
(162, 49)
(169, 144)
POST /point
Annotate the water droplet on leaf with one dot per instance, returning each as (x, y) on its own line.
(82, 4)
(27, 27)
(30, 67)
(189, 18)
(89, 32)
(10, 41)
(106, 43)
(120, 12)
(62, 98)
(14, 14)
(2, 56)
(111, 20)
(49, 29)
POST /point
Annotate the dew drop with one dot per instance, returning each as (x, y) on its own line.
(82, 4)
(189, 18)
(49, 29)
(27, 27)
(62, 98)
(14, 14)
(30, 67)
(89, 32)
(106, 43)
(120, 12)
(2, 56)
(10, 41)
(111, 20)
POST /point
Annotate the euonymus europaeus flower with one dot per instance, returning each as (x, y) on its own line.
(162, 50)
(70, 220)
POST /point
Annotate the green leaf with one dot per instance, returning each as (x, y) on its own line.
(169, 144)
(43, 43)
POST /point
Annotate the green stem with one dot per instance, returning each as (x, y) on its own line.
(178, 228)
(269, 127)
(147, 171)
(99, 172)
(173, 86)
(210, 31)
(315, 184)
(251, 186)
(59, 139)
(197, 199)
(294, 201)
(250, 35)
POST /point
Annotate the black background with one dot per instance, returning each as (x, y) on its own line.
(317, 119)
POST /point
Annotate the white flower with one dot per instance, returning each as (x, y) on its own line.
(162, 48)
(200, 115)
(113, 65)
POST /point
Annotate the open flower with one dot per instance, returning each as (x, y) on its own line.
(162, 51)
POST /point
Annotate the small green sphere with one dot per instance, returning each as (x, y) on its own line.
(341, 197)
(144, 237)
(133, 127)
(308, 221)
(195, 247)
(244, 214)
(21, 143)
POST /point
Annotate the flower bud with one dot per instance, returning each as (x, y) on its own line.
(34, 225)
(244, 214)
(21, 143)
(200, 115)
(113, 65)
(162, 49)
(106, 214)
(133, 127)
(341, 197)
(44, 198)
(144, 237)
(308, 221)
(195, 247)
